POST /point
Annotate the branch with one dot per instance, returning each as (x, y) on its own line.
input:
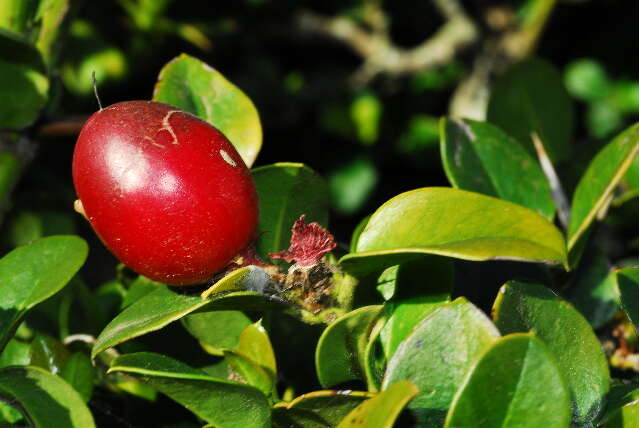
(380, 55)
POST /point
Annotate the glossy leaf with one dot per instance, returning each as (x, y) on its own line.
(626, 416)
(437, 356)
(318, 409)
(24, 86)
(33, 273)
(526, 388)
(286, 191)
(79, 373)
(382, 410)
(219, 402)
(522, 307)
(339, 356)
(193, 86)
(593, 290)
(423, 285)
(165, 305)
(357, 232)
(255, 344)
(595, 189)
(217, 330)
(251, 372)
(628, 280)
(530, 97)
(45, 399)
(620, 395)
(16, 353)
(454, 223)
(480, 157)
(49, 353)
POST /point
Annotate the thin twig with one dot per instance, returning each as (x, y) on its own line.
(380, 54)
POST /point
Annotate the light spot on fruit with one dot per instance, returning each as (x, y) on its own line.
(79, 208)
(168, 183)
(166, 126)
(127, 165)
(227, 158)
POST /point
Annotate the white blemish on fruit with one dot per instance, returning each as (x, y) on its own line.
(227, 158)
(166, 126)
(168, 183)
(153, 143)
(127, 165)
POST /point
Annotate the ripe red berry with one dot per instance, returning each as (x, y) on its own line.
(165, 191)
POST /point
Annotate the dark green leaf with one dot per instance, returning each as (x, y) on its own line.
(530, 97)
(382, 410)
(340, 352)
(628, 280)
(219, 402)
(525, 385)
(24, 89)
(9, 172)
(217, 330)
(46, 400)
(33, 273)
(626, 416)
(594, 191)
(48, 353)
(286, 191)
(593, 290)
(78, 372)
(478, 156)
(438, 355)
(453, 223)
(317, 409)
(522, 307)
(165, 305)
(192, 85)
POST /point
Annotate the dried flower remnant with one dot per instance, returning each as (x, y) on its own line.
(309, 243)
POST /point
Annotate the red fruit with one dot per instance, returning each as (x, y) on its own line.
(165, 191)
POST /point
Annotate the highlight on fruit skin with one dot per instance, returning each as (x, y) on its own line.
(166, 192)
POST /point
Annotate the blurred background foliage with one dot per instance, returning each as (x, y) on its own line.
(354, 89)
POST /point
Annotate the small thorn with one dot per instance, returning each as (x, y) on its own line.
(95, 89)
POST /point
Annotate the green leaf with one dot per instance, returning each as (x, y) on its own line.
(526, 387)
(23, 83)
(217, 330)
(438, 355)
(423, 285)
(79, 373)
(340, 352)
(628, 280)
(166, 305)
(192, 85)
(522, 307)
(357, 232)
(16, 353)
(254, 374)
(478, 156)
(286, 191)
(530, 97)
(9, 173)
(51, 15)
(593, 289)
(219, 402)
(587, 79)
(318, 409)
(453, 223)
(594, 191)
(16, 15)
(45, 399)
(366, 111)
(352, 184)
(255, 344)
(626, 416)
(382, 410)
(33, 273)
(48, 353)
